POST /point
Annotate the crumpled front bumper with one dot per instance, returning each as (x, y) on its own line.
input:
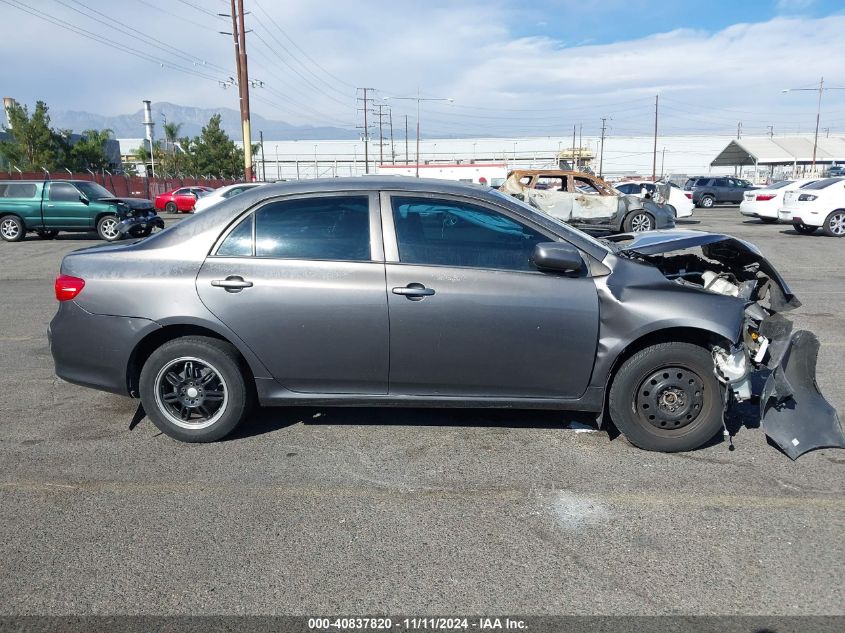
(139, 223)
(793, 412)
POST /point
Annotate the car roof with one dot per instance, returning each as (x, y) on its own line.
(367, 183)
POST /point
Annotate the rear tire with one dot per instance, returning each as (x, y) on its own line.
(107, 228)
(12, 228)
(667, 398)
(834, 223)
(47, 235)
(707, 202)
(193, 389)
(804, 229)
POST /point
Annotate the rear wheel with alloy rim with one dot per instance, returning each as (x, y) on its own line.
(834, 223)
(12, 228)
(667, 398)
(193, 389)
(804, 229)
(107, 228)
(707, 202)
(638, 222)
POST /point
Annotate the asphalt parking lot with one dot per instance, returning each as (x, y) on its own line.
(363, 511)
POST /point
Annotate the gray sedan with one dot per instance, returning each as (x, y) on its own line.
(405, 292)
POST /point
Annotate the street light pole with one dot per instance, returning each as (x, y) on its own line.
(821, 88)
(418, 99)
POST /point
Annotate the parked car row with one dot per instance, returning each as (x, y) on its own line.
(708, 191)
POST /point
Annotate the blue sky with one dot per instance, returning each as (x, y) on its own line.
(512, 68)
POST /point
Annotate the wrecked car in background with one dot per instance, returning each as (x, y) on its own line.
(391, 291)
(586, 201)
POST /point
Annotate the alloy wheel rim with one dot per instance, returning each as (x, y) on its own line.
(109, 228)
(191, 393)
(10, 229)
(670, 398)
(837, 224)
(641, 222)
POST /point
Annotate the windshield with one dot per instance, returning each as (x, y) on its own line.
(93, 191)
(605, 246)
(780, 185)
(821, 184)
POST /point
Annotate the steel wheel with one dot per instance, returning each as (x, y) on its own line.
(191, 392)
(107, 228)
(670, 398)
(834, 224)
(11, 229)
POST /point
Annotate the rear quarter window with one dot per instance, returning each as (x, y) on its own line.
(18, 190)
(823, 184)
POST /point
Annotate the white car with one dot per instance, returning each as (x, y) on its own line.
(661, 192)
(764, 203)
(223, 193)
(819, 204)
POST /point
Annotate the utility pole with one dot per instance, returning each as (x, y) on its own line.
(662, 162)
(601, 151)
(392, 150)
(739, 130)
(366, 129)
(407, 158)
(380, 116)
(654, 155)
(580, 141)
(574, 161)
(418, 99)
(771, 129)
(263, 164)
(239, 36)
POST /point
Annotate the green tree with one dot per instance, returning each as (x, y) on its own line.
(33, 145)
(90, 151)
(172, 157)
(214, 153)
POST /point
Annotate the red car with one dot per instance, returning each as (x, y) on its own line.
(182, 199)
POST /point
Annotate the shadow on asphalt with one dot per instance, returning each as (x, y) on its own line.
(269, 419)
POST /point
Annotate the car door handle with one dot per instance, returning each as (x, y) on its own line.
(414, 291)
(232, 283)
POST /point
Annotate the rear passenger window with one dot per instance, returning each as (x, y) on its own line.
(239, 242)
(18, 190)
(329, 227)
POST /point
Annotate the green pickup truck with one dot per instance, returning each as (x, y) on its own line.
(49, 206)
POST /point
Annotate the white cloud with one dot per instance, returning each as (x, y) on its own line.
(465, 51)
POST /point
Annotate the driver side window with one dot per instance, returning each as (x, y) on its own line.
(440, 232)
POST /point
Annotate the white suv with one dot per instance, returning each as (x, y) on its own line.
(819, 204)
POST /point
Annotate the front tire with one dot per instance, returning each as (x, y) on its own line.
(193, 389)
(47, 235)
(804, 229)
(107, 228)
(638, 221)
(768, 220)
(834, 223)
(667, 398)
(171, 207)
(12, 228)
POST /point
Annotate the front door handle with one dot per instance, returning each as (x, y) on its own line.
(232, 283)
(414, 291)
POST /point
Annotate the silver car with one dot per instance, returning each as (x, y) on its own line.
(391, 291)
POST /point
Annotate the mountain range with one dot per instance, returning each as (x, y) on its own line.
(192, 120)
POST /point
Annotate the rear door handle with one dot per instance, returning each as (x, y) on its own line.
(232, 283)
(414, 291)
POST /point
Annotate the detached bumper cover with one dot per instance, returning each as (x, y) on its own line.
(793, 412)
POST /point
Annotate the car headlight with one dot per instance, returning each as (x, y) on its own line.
(806, 197)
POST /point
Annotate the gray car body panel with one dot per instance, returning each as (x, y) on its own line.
(595, 318)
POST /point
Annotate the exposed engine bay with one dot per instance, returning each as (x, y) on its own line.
(767, 344)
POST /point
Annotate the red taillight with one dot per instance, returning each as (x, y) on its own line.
(688, 194)
(68, 287)
(762, 197)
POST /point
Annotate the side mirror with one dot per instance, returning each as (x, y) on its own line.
(83, 199)
(557, 256)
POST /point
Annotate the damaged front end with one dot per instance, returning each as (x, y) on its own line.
(793, 412)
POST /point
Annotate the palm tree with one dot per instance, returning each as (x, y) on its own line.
(171, 135)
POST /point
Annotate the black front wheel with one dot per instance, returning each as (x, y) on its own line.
(667, 398)
(193, 389)
(768, 220)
